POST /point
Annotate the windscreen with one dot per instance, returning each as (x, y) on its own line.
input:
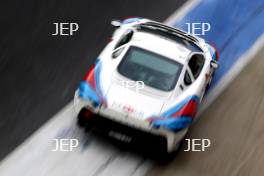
(153, 69)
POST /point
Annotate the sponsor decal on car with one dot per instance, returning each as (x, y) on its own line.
(127, 109)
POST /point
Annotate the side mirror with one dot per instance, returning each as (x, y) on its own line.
(116, 23)
(214, 64)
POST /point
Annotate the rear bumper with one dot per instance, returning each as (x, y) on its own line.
(125, 133)
(128, 129)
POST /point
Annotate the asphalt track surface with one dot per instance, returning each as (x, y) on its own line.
(40, 72)
(234, 123)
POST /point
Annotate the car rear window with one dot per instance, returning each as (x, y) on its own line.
(153, 69)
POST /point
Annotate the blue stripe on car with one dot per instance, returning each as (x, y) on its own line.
(176, 108)
(174, 124)
(87, 93)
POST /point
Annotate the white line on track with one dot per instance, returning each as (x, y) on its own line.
(93, 157)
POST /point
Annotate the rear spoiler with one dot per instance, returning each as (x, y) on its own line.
(170, 30)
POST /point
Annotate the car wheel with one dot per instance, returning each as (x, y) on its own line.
(80, 120)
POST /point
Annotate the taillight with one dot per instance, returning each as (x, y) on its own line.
(91, 69)
(188, 109)
(89, 77)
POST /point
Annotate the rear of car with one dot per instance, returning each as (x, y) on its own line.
(135, 91)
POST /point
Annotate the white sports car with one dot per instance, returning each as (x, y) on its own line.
(146, 84)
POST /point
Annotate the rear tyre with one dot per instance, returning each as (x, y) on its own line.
(165, 157)
(82, 120)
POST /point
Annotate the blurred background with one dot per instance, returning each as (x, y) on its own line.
(39, 73)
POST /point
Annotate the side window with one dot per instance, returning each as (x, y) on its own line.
(126, 37)
(196, 64)
(187, 79)
(117, 52)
